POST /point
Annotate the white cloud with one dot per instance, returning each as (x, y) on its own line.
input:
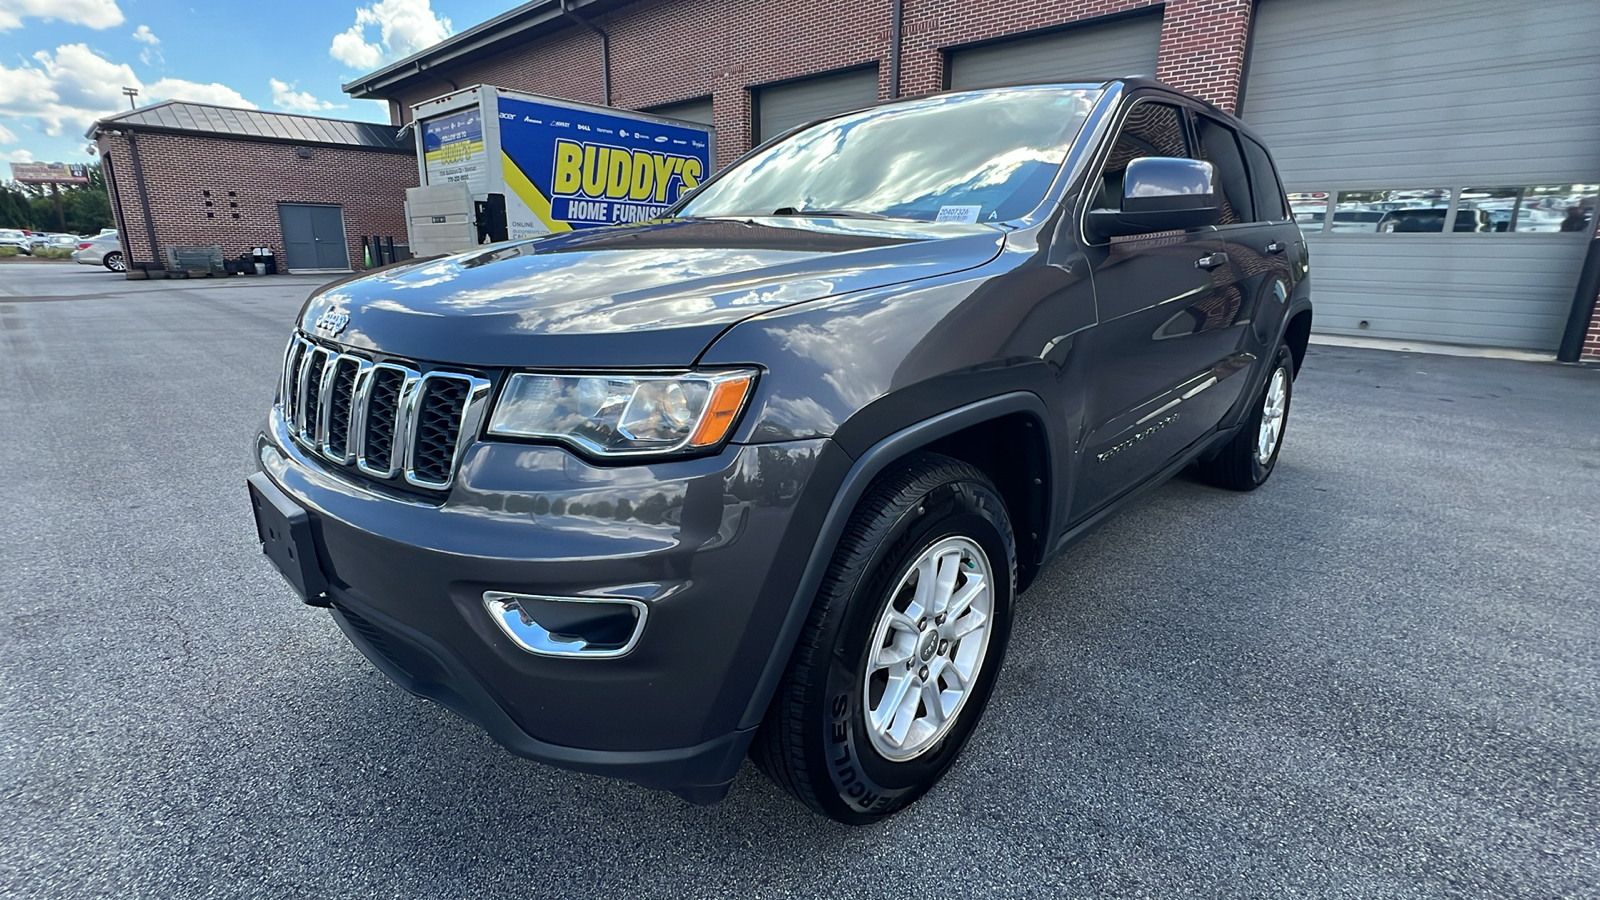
(7, 136)
(17, 156)
(404, 27)
(93, 13)
(151, 55)
(178, 89)
(284, 96)
(75, 86)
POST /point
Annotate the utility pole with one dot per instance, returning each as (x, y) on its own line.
(131, 93)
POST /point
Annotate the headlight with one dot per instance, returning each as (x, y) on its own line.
(624, 415)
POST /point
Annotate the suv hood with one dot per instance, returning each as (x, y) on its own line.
(652, 295)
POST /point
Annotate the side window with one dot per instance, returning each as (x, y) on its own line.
(1220, 147)
(1151, 129)
(1270, 204)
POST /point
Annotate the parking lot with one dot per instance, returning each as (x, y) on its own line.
(1377, 676)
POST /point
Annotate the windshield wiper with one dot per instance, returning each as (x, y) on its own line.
(828, 213)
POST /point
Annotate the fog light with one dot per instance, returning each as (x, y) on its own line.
(583, 627)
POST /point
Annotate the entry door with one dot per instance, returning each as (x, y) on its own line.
(313, 237)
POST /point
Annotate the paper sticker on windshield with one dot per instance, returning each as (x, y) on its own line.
(964, 214)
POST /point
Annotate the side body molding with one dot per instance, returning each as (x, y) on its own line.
(868, 466)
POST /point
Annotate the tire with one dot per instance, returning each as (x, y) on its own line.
(113, 261)
(817, 741)
(1241, 465)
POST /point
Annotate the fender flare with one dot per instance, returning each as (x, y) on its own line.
(868, 466)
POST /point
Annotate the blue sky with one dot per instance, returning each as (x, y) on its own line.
(63, 63)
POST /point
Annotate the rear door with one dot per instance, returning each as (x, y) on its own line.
(1162, 299)
(1266, 256)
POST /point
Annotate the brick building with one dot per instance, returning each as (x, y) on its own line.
(1486, 113)
(189, 174)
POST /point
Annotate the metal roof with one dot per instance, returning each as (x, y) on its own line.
(254, 124)
(526, 22)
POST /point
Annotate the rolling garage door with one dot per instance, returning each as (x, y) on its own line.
(781, 107)
(689, 111)
(1090, 53)
(1442, 158)
(699, 111)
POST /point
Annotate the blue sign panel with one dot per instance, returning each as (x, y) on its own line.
(571, 168)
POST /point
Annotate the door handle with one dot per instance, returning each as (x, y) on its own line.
(1276, 247)
(1212, 261)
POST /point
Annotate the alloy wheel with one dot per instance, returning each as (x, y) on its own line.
(1273, 409)
(928, 648)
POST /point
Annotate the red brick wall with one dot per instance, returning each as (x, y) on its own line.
(668, 50)
(370, 186)
(1202, 48)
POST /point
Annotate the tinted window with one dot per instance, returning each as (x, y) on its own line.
(983, 157)
(1219, 147)
(1151, 129)
(1264, 178)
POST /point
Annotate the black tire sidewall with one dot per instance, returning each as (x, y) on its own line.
(106, 261)
(860, 782)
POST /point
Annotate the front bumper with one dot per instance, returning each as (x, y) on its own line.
(714, 547)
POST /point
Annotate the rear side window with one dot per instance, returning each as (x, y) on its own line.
(1270, 205)
(1151, 129)
(1220, 147)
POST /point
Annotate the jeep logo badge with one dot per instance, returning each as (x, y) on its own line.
(332, 322)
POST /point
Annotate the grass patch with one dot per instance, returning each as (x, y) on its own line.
(7, 251)
(52, 253)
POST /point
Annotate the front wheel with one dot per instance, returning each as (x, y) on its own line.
(113, 261)
(1247, 460)
(898, 657)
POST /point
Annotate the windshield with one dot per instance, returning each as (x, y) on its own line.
(980, 157)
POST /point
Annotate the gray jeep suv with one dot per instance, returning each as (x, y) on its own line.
(766, 476)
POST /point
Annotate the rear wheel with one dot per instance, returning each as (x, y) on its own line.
(113, 261)
(900, 652)
(1247, 460)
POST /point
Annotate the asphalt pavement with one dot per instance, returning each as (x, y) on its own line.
(1377, 676)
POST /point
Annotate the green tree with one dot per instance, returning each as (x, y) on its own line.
(32, 206)
(14, 211)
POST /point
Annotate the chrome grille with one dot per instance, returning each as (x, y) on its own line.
(387, 419)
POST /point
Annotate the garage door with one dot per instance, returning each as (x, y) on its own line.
(1442, 157)
(784, 106)
(1089, 53)
(690, 111)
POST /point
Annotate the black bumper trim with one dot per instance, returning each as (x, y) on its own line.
(699, 774)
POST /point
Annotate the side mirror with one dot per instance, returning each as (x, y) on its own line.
(1161, 193)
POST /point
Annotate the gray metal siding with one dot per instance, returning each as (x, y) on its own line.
(1378, 94)
(1091, 53)
(1359, 93)
(1499, 290)
(784, 106)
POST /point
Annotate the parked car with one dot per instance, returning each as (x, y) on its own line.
(1432, 220)
(104, 249)
(11, 237)
(40, 239)
(766, 474)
